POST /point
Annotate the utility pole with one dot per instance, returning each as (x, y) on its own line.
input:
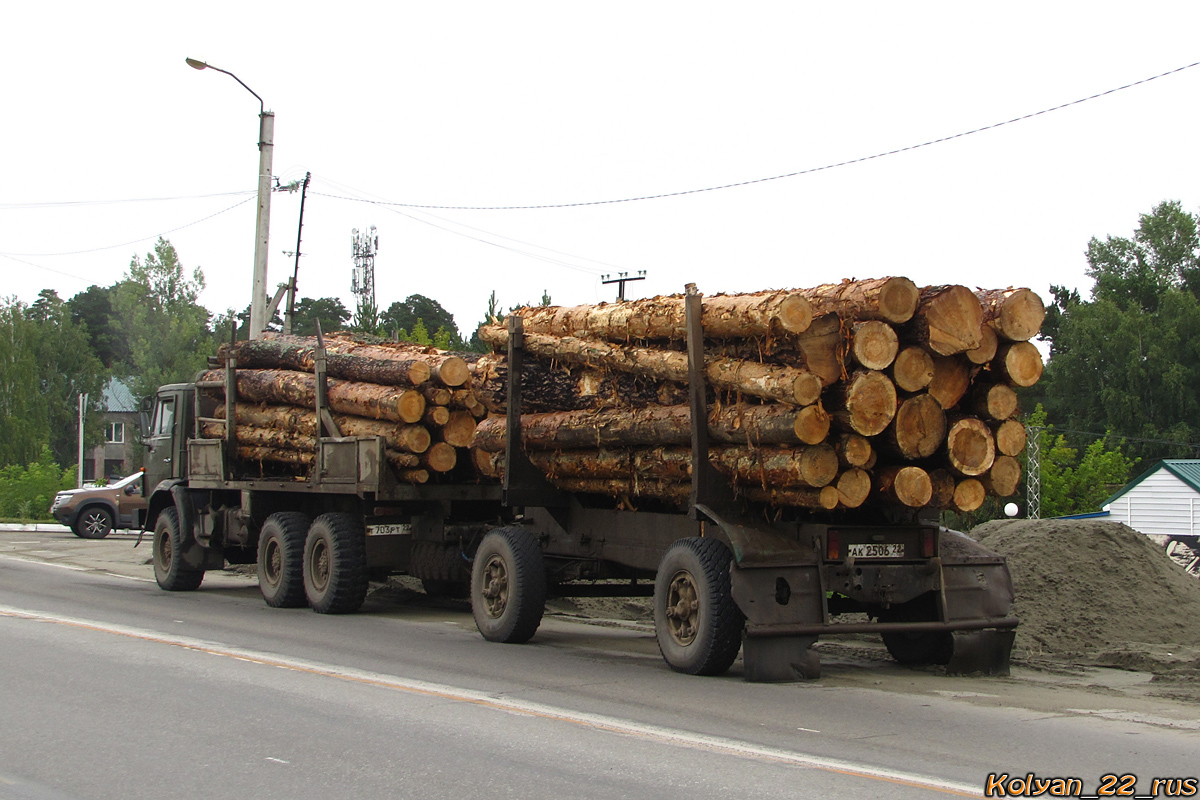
(291, 298)
(622, 279)
(83, 399)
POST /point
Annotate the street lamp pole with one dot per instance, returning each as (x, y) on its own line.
(266, 148)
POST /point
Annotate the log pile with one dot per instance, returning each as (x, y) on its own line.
(419, 400)
(869, 393)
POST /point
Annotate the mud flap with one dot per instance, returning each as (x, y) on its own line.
(780, 659)
(981, 652)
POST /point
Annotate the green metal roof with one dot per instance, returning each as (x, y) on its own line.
(1186, 469)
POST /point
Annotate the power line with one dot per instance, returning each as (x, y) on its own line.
(1054, 429)
(134, 241)
(797, 173)
(60, 203)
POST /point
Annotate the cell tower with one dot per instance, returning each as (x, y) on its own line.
(362, 280)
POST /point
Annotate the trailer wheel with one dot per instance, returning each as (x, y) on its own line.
(169, 570)
(925, 647)
(281, 559)
(508, 586)
(95, 522)
(335, 564)
(696, 622)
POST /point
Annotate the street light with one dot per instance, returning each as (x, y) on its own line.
(266, 132)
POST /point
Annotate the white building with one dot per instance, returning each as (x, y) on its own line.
(1163, 502)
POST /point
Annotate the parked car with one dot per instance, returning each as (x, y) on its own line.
(94, 511)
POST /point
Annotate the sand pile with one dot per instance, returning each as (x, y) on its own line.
(1096, 591)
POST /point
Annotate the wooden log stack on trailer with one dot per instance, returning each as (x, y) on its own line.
(907, 393)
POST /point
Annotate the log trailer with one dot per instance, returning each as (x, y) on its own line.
(725, 576)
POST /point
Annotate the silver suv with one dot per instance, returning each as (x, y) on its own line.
(94, 511)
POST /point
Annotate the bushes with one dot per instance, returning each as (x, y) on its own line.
(26, 492)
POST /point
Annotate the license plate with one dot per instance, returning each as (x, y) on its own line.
(388, 530)
(875, 551)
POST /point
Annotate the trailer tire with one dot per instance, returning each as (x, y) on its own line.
(169, 570)
(697, 624)
(508, 586)
(335, 564)
(281, 559)
(917, 648)
(94, 522)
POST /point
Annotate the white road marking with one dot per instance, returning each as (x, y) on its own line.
(75, 568)
(277, 760)
(600, 722)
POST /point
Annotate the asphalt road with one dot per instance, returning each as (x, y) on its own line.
(112, 688)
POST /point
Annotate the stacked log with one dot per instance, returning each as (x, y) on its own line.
(864, 394)
(417, 400)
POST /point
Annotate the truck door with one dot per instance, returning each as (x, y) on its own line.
(161, 462)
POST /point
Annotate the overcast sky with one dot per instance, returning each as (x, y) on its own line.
(501, 104)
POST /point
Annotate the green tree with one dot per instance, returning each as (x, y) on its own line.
(404, 316)
(161, 320)
(329, 310)
(366, 317)
(1074, 483)
(45, 364)
(1129, 359)
(93, 309)
(493, 315)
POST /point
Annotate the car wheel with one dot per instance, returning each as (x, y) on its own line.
(94, 522)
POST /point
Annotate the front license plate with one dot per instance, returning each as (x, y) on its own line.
(876, 551)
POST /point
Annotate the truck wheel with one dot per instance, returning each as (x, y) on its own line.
(508, 586)
(335, 564)
(94, 522)
(698, 626)
(169, 570)
(442, 570)
(281, 559)
(925, 647)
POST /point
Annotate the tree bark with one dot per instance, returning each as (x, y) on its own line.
(825, 498)
(888, 299)
(546, 387)
(446, 368)
(299, 389)
(299, 353)
(722, 316)
(642, 427)
(1014, 314)
(948, 319)
(408, 438)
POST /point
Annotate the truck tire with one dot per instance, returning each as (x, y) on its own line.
(442, 569)
(94, 522)
(916, 648)
(169, 570)
(696, 622)
(281, 559)
(508, 586)
(335, 564)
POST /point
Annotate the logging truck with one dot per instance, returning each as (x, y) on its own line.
(728, 573)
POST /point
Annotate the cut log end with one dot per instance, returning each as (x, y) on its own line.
(970, 447)
(1021, 362)
(919, 427)
(1011, 438)
(969, 495)
(1004, 477)
(912, 369)
(874, 344)
(909, 486)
